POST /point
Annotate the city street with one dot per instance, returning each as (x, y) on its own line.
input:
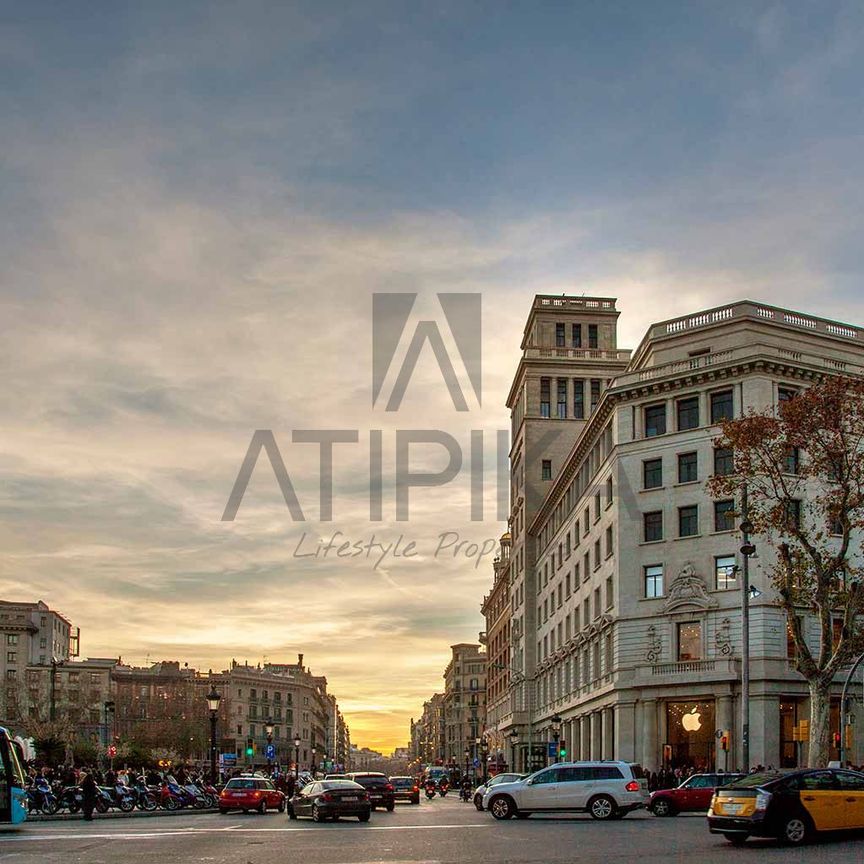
(436, 831)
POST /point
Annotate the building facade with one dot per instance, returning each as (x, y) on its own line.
(625, 591)
(464, 703)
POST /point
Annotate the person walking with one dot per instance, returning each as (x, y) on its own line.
(89, 791)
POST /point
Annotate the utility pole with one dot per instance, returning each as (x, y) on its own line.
(747, 549)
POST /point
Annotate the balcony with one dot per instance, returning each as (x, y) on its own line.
(717, 669)
(553, 352)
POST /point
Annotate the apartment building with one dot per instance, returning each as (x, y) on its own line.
(625, 599)
(464, 702)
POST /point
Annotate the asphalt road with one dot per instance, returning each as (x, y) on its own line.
(436, 831)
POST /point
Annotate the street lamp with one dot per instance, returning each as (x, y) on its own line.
(514, 740)
(268, 729)
(109, 709)
(467, 755)
(747, 551)
(556, 734)
(296, 756)
(213, 700)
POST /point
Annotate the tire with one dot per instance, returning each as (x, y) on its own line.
(391, 807)
(262, 808)
(363, 817)
(170, 803)
(101, 805)
(663, 807)
(316, 814)
(198, 803)
(478, 803)
(736, 839)
(74, 806)
(795, 830)
(281, 807)
(601, 808)
(50, 806)
(148, 803)
(502, 807)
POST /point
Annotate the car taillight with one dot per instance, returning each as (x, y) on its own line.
(416, 788)
(327, 797)
(632, 786)
(389, 787)
(763, 799)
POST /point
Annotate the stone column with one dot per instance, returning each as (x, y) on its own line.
(725, 722)
(765, 730)
(596, 736)
(625, 731)
(651, 756)
(607, 731)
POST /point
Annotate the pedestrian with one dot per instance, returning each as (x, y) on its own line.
(89, 791)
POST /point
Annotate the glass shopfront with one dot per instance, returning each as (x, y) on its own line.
(690, 739)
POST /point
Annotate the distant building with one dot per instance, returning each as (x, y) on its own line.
(464, 703)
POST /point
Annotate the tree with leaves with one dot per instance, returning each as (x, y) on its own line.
(803, 463)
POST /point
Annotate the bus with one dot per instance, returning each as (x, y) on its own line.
(13, 797)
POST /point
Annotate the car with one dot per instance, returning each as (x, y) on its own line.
(793, 806)
(330, 799)
(480, 791)
(604, 789)
(377, 786)
(335, 777)
(694, 794)
(250, 793)
(405, 789)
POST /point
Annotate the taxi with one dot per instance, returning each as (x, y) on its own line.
(793, 806)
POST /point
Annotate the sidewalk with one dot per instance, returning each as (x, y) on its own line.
(115, 814)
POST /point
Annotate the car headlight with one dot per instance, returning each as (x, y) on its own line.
(762, 800)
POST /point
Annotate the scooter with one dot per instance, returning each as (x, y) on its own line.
(121, 797)
(41, 798)
(443, 788)
(430, 789)
(145, 799)
(465, 793)
(72, 798)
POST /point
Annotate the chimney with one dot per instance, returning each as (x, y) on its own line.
(300, 661)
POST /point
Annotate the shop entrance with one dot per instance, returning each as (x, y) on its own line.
(690, 739)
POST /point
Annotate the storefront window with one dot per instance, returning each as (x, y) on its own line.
(788, 720)
(690, 736)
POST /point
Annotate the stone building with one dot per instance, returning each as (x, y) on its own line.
(624, 573)
(464, 702)
(428, 733)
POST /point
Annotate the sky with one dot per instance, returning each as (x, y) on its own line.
(199, 201)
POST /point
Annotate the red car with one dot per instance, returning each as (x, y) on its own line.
(251, 793)
(693, 794)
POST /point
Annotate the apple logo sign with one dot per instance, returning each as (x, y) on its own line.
(692, 722)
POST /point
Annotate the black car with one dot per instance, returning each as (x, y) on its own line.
(378, 788)
(405, 789)
(330, 799)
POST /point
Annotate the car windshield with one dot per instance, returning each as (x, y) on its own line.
(501, 778)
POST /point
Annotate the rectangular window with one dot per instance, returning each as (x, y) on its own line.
(596, 554)
(592, 336)
(562, 398)
(724, 461)
(690, 641)
(595, 392)
(596, 602)
(655, 420)
(567, 583)
(559, 335)
(784, 394)
(687, 468)
(610, 549)
(578, 398)
(545, 397)
(653, 581)
(793, 513)
(725, 574)
(721, 406)
(586, 567)
(793, 460)
(597, 507)
(546, 469)
(610, 492)
(12, 639)
(610, 595)
(688, 521)
(652, 473)
(724, 518)
(688, 413)
(653, 526)
(11, 656)
(576, 335)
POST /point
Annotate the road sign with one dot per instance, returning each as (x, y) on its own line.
(476, 763)
(228, 758)
(552, 750)
(112, 752)
(270, 751)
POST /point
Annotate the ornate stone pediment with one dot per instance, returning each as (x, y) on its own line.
(688, 589)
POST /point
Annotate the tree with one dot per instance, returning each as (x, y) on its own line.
(803, 464)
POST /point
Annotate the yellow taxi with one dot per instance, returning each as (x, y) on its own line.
(792, 806)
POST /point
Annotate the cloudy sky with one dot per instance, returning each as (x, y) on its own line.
(200, 199)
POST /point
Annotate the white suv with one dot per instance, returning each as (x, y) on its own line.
(606, 790)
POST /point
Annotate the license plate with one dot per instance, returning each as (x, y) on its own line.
(733, 809)
(238, 794)
(350, 798)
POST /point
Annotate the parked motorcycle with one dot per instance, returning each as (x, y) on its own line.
(145, 799)
(72, 799)
(121, 797)
(40, 798)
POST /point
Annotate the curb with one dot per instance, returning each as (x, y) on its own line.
(116, 814)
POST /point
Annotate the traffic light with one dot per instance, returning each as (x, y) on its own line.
(836, 737)
(724, 740)
(562, 749)
(250, 746)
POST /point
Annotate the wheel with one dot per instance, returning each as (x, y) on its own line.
(198, 803)
(478, 802)
(502, 807)
(795, 830)
(736, 839)
(148, 803)
(101, 805)
(663, 807)
(316, 814)
(223, 811)
(602, 807)
(50, 806)
(363, 817)
(391, 807)
(170, 803)
(281, 807)
(127, 805)
(74, 806)
(262, 808)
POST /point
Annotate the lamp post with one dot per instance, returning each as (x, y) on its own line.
(213, 700)
(313, 766)
(747, 550)
(296, 756)
(467, 755)
(108, 708)
(514, 740)
(484, 757)
(556, 734)
(268, 729)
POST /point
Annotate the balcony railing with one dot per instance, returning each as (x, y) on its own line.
(684, 667)
(577, 353)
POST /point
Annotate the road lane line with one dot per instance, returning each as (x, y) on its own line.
(197, 832)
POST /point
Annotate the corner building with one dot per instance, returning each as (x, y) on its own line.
(624, 592)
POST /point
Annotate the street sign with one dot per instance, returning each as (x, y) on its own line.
(270, 751)
(112, 752)
(552, 750)
(476, 763)
(228, 758)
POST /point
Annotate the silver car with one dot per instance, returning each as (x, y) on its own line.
(480, 791)
(604, 789)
